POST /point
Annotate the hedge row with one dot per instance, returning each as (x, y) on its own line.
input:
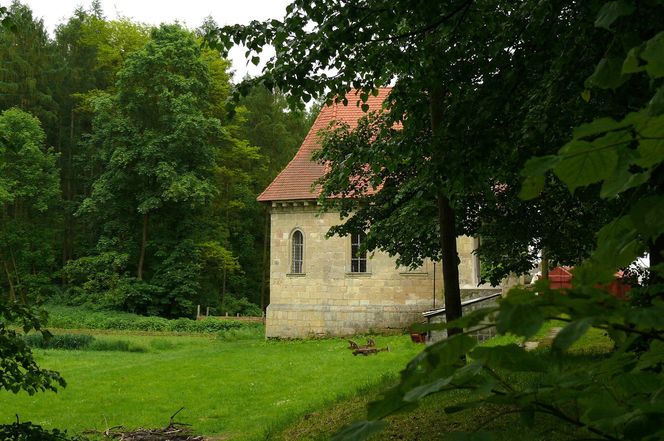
(75, 318)
(81, 342)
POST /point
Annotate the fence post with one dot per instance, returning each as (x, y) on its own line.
(207, 312)
(198, 312)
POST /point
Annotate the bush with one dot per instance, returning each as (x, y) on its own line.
(78, 318)
(31, 432)
(81, 342)
(241, 306)
(254, 332)
(116, 345)
(63, 341)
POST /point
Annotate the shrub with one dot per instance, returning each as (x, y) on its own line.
(116, 345)
(150, 324)
(241, 306)
(62, 341)
(81, 342)
(79, 318)
(27, 431)
(254, 332)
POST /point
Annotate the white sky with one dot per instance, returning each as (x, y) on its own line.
(189, 12)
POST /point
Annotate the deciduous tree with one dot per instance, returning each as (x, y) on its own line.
(29, 191)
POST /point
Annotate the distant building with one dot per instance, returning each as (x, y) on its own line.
(321, 286)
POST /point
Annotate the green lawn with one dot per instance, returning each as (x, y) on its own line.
(240, 389)
(430, 421)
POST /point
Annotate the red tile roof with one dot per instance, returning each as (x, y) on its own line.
(296, 180)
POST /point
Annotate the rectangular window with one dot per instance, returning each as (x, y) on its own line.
(358, 260)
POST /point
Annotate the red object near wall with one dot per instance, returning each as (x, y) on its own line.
(561, 277)
(619, 288)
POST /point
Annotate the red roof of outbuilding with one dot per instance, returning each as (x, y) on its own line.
(296, 180)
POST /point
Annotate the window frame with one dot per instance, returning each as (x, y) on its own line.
(293, 269)
(358, 263)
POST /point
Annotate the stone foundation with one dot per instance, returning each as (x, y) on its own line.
(296, 321)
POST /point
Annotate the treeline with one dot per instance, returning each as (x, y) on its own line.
(124, 183)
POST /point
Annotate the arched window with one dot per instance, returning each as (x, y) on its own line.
(358, 260)
(297, 252)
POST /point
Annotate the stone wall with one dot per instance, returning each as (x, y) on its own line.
(327, 299)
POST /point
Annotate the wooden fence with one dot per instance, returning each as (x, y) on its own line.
(237, 317)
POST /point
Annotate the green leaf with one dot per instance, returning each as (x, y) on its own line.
(611, 11)
(656, 104)
(621, 181)
(359, 430)
(255, 60)
(618, 244)
(648, 216)
(653, 53)
(599, 405)
(472, 318)
(585, 95)
(598, 126)
(450, 351)
(391, 402)
(469, 436)
(645, 427)
(651, 145)
(571, 333)
(653, 357)
(608, 74)
(534, 171)
(638, 382)
(531, 187)
(585, 163)
(365, 107)
(519, 317)
(539, 165)
(632, 62)
(422, 391)
(511, 357)
(464, 406)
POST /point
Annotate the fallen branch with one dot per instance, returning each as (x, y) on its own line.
(173, 432)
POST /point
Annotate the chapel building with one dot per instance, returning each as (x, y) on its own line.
(322, 286)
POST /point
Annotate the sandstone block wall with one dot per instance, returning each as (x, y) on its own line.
(327, 298)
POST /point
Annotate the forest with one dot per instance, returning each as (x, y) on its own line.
(124, 183)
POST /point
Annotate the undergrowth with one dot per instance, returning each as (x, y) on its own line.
(81, 342)
(79, 318)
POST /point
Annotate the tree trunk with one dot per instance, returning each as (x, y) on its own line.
(545, 265)
(144, 242)
(12, 292)
(446, 219)
(223, 284)
(17, 288)
(450, 262)
(69, 240)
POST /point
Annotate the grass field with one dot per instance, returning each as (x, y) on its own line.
(233, 389)
(430, 421)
